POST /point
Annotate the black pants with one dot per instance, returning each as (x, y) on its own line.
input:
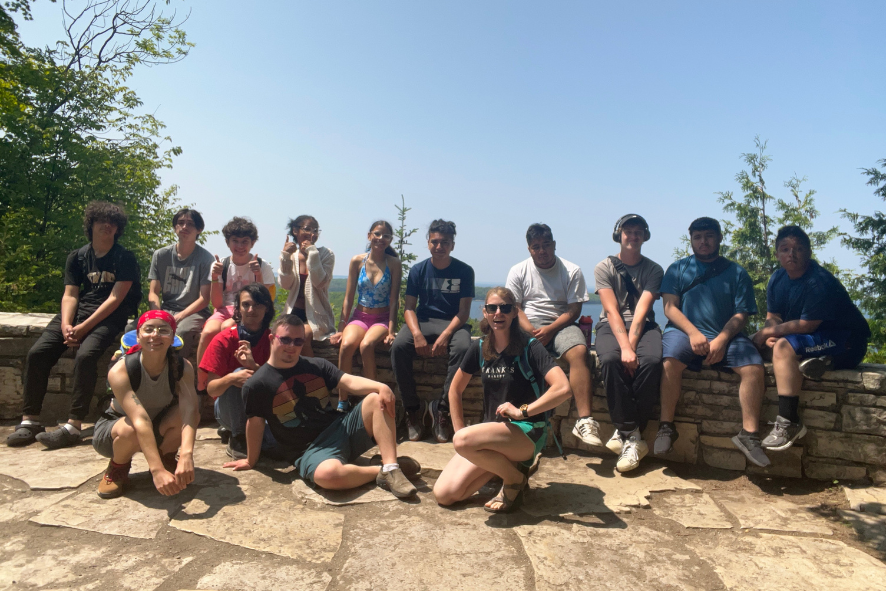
(403, 354)
(49, 348)
(631, 398)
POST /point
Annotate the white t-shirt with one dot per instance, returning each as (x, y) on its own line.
(239, 276)
(544, 294)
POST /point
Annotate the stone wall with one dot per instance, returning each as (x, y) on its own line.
(845, 412)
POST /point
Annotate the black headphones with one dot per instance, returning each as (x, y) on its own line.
(616, 232)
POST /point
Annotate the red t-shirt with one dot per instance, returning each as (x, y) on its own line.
(219, 356)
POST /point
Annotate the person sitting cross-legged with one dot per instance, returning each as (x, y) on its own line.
(290, 396)
(707, 299)
(515, 369)
(155, 410)
(812, 326)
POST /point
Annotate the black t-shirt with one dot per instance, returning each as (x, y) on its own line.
(504, 382)
(295, 401)
(96, 278)
(439, 291)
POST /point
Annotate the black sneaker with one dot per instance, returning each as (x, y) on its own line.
(814, 367)
(225, 435)
(441, 425)
(415, 423)
(665, 438)
(24, 435)
(58, 439)
(749, 445)
(783, 435)
(236, 447)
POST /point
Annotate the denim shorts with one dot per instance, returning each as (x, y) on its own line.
(344, 440)
(739, 353)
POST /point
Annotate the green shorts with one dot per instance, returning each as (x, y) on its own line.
(344, 440)
(537, 434)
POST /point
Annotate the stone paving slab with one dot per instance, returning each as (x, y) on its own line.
(86, 565)
(584, 484)
(789, 563)
(870, 527)
(250, 517)
(19, 505)
(208, 434)
(257, 576)
(581, 557)
(404, 551)
(771, 513)
(869, 500)
(140, 513)
(43, 469)
(691, 510)
(368, 493)
(433, 457)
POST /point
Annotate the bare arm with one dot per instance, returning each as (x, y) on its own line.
(613, 316)
(255, 430)
(199, 304)
(155, 293)
(644, 304)
(717, 347)
(558, 391)
(362, 386)
(699, 342)
(189, 404)
(460, 381)
(217, 385)
(396, 277)
(70, 301)
(523, 320)
(121, 288)
(350, 290)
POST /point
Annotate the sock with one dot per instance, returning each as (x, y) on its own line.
(71, 429)
(30, 422)
(388, 467)
(788, 408)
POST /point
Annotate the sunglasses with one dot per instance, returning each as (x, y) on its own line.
(504, 308)
(290, 342)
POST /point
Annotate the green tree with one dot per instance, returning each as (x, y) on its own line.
(750, 239)
(71, 133)
(870, 244)
(402, 235)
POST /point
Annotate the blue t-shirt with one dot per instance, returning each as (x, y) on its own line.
(711, 304)
(816, 295)
(439, 291)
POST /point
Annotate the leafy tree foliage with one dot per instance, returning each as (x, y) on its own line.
(750, 239)
(870, 244)
(70, 133)
(402, 235)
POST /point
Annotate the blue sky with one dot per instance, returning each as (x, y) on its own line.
(500, 114)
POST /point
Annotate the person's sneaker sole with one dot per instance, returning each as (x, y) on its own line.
(815, 367)
(747, 453)
(593, 442)
(627, 468)
(384, 482)
(790, 442)
(614, 445)
(674, 437)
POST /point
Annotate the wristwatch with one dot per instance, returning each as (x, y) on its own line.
(525, 410)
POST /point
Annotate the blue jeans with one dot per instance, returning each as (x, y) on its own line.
(230, 412)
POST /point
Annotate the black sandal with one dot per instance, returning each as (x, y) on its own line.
(508, 505)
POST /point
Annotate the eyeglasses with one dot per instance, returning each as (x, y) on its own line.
(504, 308)
(163, 331)
(380, 235)
(310, 230)
(290, 342)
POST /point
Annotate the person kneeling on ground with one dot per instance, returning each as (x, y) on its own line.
(155, 410)
(514, 430)
(291, 396)
(707, 299)
(810, 317)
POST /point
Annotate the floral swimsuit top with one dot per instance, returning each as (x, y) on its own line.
(374, 296)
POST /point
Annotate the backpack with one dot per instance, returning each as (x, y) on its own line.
(716, 268)
(226, 262)
(134, 371)
(134, 295)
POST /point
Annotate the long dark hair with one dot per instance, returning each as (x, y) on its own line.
(516, 337)
(262, 297)
(389, 251)
(299, 221)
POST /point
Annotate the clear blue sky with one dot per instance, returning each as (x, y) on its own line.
(500, 114)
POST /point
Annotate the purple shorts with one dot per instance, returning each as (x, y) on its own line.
(223, 313)
(366, 321)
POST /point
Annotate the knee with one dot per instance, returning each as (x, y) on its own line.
(329, 475)
(443, 494)
(610, 359)
(123, 431)
(367, 347)
(463, 441)
(782, 350)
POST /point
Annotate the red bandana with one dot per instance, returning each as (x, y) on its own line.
(150, 315)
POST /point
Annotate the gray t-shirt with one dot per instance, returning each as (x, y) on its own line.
(646, 274)
(545, 294)
(180, 280)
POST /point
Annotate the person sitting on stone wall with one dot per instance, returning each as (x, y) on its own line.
(180, 279)
(707, 299)
(102, 290)
(515, 368)
(628, 339)
(233, 356)
(437, 307)
(291, 397)
(155, 410)
(550, 292)
(812, 326)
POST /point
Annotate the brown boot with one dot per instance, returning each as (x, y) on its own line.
(115, 480)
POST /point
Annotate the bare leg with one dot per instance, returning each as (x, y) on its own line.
(459, 480)
(496, 448)
(580, 379)
(750, 393)
(350, 341)
(374, 336)
(333, 475)
(786, 366)
(307, 350)
(671, 383)
(380, 426)
(125, 441)
(171, 431)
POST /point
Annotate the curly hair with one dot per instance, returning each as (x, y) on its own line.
(262, 297)
(441, 227)
(240, 227)
(517, 339)
(102, 211)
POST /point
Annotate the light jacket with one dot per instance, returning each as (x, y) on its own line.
(320, 262)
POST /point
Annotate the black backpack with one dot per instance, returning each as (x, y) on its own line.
(134, 370)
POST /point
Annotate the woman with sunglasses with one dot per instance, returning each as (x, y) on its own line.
(375, 276)
(306, 271)
(155, 410)
(514, 428)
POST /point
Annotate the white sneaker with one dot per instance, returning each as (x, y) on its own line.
(588, 430)
(615, 443)
(633, 450)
